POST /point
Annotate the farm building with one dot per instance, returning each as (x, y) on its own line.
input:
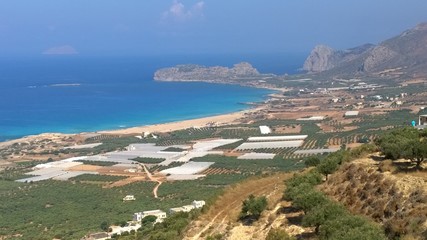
(203, 146)
(277, 138)
(351, 114)
(126, 229)
(264, 130)
(270, 145)
(316, 151)
(157, 213)
(146, 147)
(188, 168)
(92, 145)
(313, 118)
(129, 198)
(186, 208)
(198, 204)
(255, 156)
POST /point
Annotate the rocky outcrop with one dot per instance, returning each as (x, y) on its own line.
(377, 57)
(202, 73)
(324, 58)
(320, 59)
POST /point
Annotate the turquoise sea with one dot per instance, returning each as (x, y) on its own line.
(80, 94)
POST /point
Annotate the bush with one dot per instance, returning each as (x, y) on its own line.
(252, 208)
(307, 199)
(328, 166)
(350, 227)
(312, 161)
(386, 166)
(322, 213)
(278, 234)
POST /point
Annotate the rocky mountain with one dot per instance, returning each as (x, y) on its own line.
(403, 54)
(192, 72)
(323, 58)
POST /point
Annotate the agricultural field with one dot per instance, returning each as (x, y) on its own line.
(69, 210)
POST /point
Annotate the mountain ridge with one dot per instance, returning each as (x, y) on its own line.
(406, 53)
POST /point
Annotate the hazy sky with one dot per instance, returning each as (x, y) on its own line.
(146, 27)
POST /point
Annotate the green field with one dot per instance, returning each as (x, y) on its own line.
(68, 210)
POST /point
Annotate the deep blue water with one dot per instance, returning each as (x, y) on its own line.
(113, 93)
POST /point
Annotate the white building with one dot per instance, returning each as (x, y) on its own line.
(422, 120)
(264, 129)
(157, 213)
(186, 208)
(128, 228)
(351, 114)
(129, 198)
(198, 204)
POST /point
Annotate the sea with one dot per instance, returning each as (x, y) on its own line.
(72, 94)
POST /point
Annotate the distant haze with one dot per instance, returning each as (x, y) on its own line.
(153, 27)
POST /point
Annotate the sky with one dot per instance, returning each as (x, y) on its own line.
(158, 27)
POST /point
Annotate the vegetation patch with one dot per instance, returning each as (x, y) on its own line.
(149, 160)
(330, 219)
(97, 178)
(98, 163)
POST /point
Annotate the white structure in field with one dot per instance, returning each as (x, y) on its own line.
(186, 208)
(270, 145)
(126, 229)
(157, 213)
(264, 130)
(313, 118)
(198, 204)
(422, 120)
(277, 138)
(188, 168)
(129, 198)
(256, 156)
(351, 113)
(316, 151)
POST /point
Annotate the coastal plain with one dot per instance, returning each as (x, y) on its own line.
(108, 177)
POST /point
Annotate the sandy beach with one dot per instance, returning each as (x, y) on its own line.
(173, 126)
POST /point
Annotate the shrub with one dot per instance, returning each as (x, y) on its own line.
(312, 161)
(350, 227)
(307, 199)
(328, 166)
(278, 234)
(252, 208)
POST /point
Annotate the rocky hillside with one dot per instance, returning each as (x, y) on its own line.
(323, 58)
(403, 54)
(202, 73)
(400, 204)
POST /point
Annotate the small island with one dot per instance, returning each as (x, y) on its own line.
(242, 73)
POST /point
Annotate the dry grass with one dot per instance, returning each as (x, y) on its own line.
(222, 216)
(400, 204)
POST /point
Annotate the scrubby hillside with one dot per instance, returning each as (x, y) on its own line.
(400, 205)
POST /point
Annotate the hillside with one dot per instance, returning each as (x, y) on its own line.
(399, 203)
(405, 54)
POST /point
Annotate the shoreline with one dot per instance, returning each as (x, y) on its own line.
(217, 120)
(198, 122)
